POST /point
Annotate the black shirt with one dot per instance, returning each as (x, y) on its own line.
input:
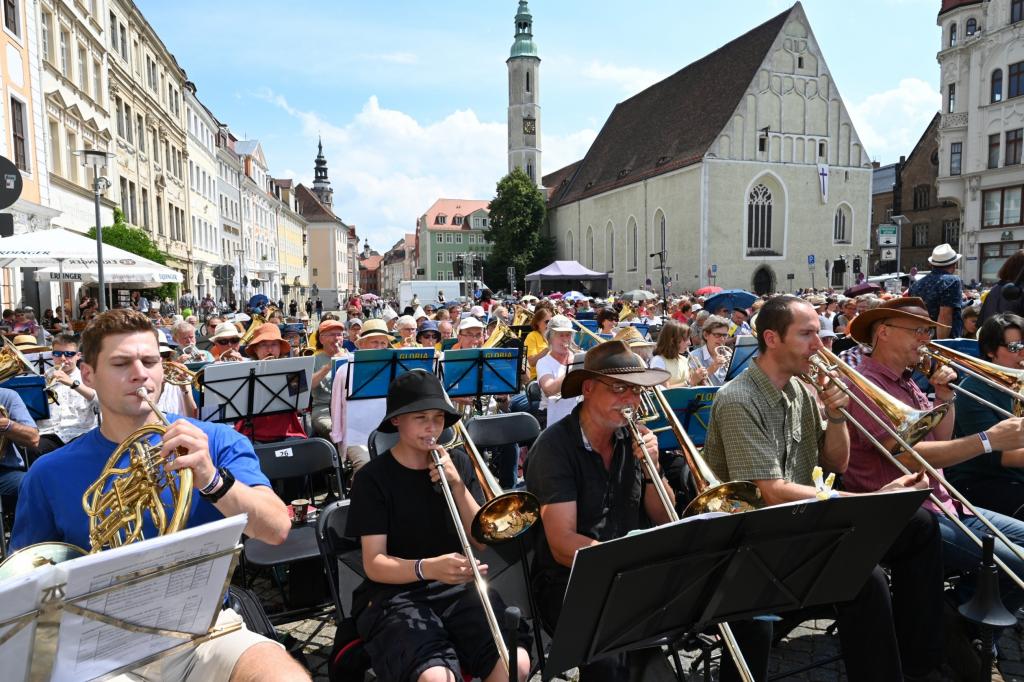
(563, 468)
(390, 499)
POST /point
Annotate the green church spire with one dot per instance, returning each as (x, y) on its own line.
(524, 45)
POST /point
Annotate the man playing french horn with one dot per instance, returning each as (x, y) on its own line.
(766, 428)
(120, 356)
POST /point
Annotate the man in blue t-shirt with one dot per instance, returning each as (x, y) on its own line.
(120, 354)
(19, 429)
(942, 292)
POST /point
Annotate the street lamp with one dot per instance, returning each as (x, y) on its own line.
(97, 160)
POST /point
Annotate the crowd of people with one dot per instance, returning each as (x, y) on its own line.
(774, 420)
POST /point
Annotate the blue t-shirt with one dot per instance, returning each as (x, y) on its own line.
(50, 502)
(941, 289)
(17, 411)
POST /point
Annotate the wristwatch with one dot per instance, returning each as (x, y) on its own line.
(228, 481)
(75, 384)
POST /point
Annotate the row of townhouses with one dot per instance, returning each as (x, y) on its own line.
(94, 75)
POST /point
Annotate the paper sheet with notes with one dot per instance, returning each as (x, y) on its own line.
(186, 599)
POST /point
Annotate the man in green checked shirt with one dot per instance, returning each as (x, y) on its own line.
(767, 427)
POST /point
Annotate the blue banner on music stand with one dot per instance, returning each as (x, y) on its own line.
(372, 371)
(693, 407)
(480, 371)
(30, 388)
(744, 351)
(643, 328)
(968, 346)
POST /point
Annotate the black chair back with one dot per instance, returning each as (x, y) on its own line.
(294, 458)
(492, 430)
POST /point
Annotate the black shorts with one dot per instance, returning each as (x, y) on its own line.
(431, 624)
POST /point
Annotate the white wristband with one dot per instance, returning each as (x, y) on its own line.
(985, 443)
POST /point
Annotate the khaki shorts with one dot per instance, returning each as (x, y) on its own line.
(212, 660)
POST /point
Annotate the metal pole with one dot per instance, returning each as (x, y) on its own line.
(99, 240)
(60, 289)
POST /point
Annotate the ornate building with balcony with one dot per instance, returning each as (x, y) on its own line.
(981, 130)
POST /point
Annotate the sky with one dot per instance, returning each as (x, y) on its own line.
(410, 96)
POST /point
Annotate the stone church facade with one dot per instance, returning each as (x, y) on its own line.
(738, 167)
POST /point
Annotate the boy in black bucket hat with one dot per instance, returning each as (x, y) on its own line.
(415, 611)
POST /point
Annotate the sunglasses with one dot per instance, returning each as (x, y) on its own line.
(64, 353)
(227, 342)
(1013, 346)
(430, 335)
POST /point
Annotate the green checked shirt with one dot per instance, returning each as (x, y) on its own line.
(758, 432)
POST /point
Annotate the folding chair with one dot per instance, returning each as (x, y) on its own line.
(291, 459)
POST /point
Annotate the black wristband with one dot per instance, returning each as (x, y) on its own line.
(220, 492)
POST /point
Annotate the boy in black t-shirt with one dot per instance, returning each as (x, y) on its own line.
(420, 620)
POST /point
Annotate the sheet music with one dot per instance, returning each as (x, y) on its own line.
(186, 599)
(19, 596)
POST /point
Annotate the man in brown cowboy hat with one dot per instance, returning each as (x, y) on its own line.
(896, 330)
(766, 427)
(582, 462)
(942, 291)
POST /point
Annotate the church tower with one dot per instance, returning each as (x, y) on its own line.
(523, 98)
(321, 185)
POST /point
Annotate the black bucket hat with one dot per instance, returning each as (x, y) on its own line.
(415, 391)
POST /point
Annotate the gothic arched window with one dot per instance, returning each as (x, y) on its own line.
(527, 81)
(631, 245)
(759, 219)
(610, 248)
(589, 248)
(972, 26)
(568, 244)
(840, 234)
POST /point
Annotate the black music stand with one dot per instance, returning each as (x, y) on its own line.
(481, 371)
(743, 353)
(243, 390)
(655, 586)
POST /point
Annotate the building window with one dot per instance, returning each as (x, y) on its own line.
(1016, 11)
(440, 219)
(839, 226)
(64, 58)
(457, 220)
(1001, 207)
(527, 81)
(920, 235)
(821, 150)
(44, 33)
(54, 129)
(589, 248)
(141, 132)
(145, 208)
(993, 151)
(1015, 80)
(440, 257)
(1013, 146)
(124, 41)
(631, 246)
(610, 248)
(440, 237)
(952, 35)
(71, 161)
(759, 219)
(996, 94)
(83, 71)
(569, 245)
(972, 26)
(951, 98)
(159, 217)
(458, 239)
(11, 19)
(955, 154)
(663, 235)
(922, 197)
(97, 83)
(19, 134)
(951, 232)
(448, 239)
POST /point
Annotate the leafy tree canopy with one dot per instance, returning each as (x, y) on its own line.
(517, 215)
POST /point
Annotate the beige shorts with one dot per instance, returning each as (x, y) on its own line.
(212, 660)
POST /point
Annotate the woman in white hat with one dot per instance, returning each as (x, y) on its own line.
(552, 369)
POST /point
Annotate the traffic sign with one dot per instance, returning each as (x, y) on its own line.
(714, 267)
(810, 261)
(888, 253)
(887, 237)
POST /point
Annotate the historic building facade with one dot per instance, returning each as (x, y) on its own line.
(450, 228)
(981, 132)
(398, 264)
(229, 200)
(292, 239)
(764, 179)
(204, 218)
(259, 221)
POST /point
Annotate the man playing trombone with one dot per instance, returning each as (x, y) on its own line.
(766, 428)
(897, 330)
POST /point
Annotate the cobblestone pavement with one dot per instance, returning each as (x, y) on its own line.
(805, 644)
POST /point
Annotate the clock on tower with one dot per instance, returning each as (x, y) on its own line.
(529, 126)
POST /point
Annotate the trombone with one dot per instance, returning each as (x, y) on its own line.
(907, 426)
(634, 417)
(586, 331)
(1004, 379)
(503, 516)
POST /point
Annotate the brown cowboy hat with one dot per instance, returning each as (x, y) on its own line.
(906, 307)
(268, 331)
(614, 360)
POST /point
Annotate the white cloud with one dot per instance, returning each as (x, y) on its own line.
(387, 168)
(631, 79)
(392, 57)
(891, 122)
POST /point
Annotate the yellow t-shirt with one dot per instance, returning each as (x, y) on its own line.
(535, 343)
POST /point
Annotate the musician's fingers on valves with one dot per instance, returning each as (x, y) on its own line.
(192, 448)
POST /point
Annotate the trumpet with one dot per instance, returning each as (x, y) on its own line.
(633, 417)
(906, 426)
(191, 353)
(177, 374)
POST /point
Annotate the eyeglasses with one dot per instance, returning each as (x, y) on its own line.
(1013, 346)
(619, 388)
(64, 353)
(227, 342)
(916, 331)
(719, 335)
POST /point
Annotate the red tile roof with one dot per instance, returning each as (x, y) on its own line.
(451, 208)
(948, 5)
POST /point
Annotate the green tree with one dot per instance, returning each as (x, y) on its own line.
(517, 215)
(137, 241)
